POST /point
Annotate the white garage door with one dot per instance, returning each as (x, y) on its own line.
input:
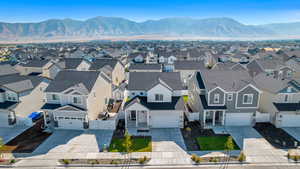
(290, 120)
(238, 119)
(165, 119)
(70, 123)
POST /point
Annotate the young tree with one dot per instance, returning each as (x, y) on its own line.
(127, 142)
(229, 145)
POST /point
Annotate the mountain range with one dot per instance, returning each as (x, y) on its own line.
(114, 26)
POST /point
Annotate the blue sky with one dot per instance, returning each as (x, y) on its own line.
(245, 11)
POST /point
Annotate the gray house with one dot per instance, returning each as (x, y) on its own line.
(223, 98)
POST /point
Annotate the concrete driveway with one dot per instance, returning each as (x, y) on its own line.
(293, 131)
(8, 133)
(167, 140)
(72, 141)
(256, 148)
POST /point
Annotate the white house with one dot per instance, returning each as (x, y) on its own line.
(74, 99)
(155, 101)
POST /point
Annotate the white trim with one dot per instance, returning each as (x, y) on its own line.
(208, 93)
(243, 98)
(231, 95)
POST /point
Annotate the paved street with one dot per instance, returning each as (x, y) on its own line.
(256, 148)
(293, 131)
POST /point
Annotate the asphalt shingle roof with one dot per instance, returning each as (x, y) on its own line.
(176, 104)
(287, 106)
(100, 63)
(145, 67)
(7, 70)
(189, 65)
(146, 80)
(35, 63)
(70, 78)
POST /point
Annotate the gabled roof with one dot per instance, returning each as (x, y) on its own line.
(68, 107)
(269, 83)
(254, 68)
(142, 66)
(100, 63)
(7, 70)
(176, 104)
(146, 80)
(18, 83)
(71, 63)
(189, 65)
(228, 80)
(35, 63)
(287, 106)
(64, 80)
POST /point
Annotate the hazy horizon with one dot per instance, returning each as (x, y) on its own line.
(250, 12)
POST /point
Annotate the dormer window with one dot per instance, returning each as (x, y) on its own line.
(217, 98)
(159, 97)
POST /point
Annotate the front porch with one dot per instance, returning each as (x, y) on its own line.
(213, 118)
(137, 120)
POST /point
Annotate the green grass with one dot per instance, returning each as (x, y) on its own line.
(185, 99)
(139, 145)
(208, 143)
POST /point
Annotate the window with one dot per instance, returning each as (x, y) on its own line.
(286, 98)
(229, 97)
(76, 100)
(159, 97)
(141, 93)
(289, 73)
(11, 97)
(55, 97)
(217, 98)
(247, 98)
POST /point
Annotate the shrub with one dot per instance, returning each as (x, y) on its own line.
(12, 161)
(242, 157)
(66, 161)
(194, 157)
(142, 160)
(198, 160)
(188, 129)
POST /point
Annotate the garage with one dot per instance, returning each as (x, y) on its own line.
(290, 120)
(166, 119)
(70, 123)
(3, 119)
(239, 119)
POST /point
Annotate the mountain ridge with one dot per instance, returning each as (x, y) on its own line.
(117, 26)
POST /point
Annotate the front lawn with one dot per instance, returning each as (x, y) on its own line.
(208, 143)
(140, 144)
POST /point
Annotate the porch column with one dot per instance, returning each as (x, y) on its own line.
(126, 119)
(136, 118)
(214, 116)
(223, 118)
(204, 117)
(148, 118)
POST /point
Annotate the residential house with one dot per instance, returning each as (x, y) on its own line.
(32, 67)
(280, 100)
(113, 68)
(187, 69)
(76, 99)
(16, 95)
(223, 98)
(155, 101)
(140, 67)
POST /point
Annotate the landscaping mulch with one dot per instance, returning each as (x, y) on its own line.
(8, 161)
(277, 137)
(103, 161)
(27, 141)
(190, 136)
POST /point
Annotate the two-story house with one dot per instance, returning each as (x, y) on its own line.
(16, 95)
(223, 98)
(113, 68)
(74, 98)
(280, 99)
(154, 101)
